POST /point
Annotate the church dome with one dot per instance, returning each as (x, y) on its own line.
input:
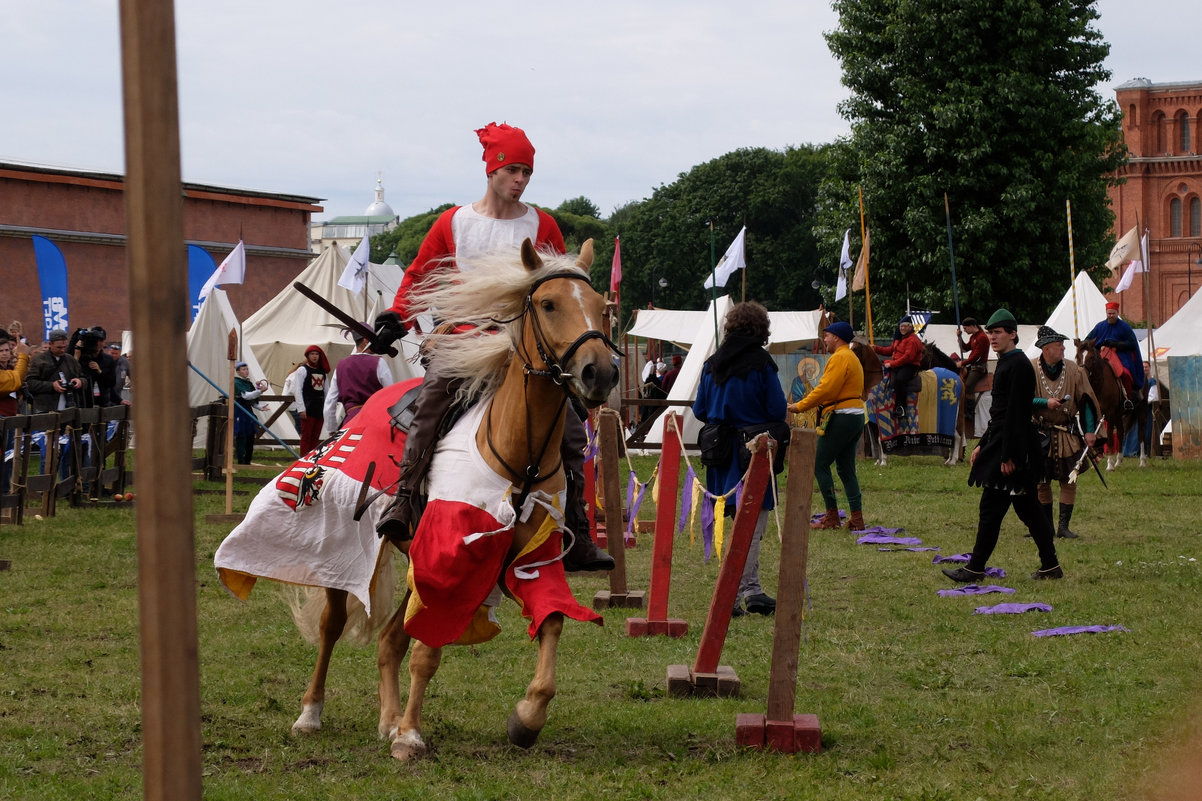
(379, 208)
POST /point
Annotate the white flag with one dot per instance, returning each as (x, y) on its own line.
(1136, 267)
(354, 277)
(230, 271)
(732, 260)
(1123, 250)
(845, 264)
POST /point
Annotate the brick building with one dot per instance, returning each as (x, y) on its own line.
(84, 214)
(1162, 190)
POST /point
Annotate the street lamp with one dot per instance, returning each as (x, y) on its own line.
(663, 282)
(1189, 272)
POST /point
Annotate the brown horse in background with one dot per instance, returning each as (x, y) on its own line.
(1108, 388)
(933, 357)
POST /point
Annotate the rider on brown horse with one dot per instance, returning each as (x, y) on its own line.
(1116, 342)
(497, 219)
(973, 367)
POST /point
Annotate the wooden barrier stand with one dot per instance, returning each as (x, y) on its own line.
(618, 595)
(780, 728)
(657, 620)
(707, 677)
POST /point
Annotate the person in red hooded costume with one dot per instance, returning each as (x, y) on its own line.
(498, 219)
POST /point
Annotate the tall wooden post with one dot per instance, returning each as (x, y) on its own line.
(158, 277)
(232, 355)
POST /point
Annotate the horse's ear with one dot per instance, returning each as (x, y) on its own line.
(585, 259)
(530, 256)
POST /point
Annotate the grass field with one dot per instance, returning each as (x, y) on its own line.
(918, 697)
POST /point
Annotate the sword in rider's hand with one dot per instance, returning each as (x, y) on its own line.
(349, 321)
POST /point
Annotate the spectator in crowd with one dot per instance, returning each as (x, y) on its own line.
(309, 390)
(840, 425)
(739, 388)
(17, 332)
(56, 380)
(246, 424)
(670, 377)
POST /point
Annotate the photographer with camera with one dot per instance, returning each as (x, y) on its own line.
(100, 369)
(56, 381)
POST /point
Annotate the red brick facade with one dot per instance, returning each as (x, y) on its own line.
(84, 214)
(1162, 191)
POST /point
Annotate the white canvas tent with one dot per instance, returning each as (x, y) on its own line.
(1090, 310)
(695, 330)
(207, 351)
(279, 332)
(1181, 335)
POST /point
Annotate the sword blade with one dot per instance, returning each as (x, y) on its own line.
(346, 319)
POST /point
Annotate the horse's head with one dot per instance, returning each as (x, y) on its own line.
(564, 332)
(1085, 352)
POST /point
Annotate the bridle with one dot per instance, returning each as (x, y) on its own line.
(553, 369)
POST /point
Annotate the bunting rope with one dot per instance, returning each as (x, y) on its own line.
(692, 492)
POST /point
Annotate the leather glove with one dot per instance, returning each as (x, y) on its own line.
(389, 328)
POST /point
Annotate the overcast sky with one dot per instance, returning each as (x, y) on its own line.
(318, 98)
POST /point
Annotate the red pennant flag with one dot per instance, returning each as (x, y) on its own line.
(615, 272)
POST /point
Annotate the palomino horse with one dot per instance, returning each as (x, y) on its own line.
(933, 357)
(531, 335)
(1108, 389)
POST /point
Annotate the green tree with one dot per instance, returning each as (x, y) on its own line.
(667, 237)
(406, 238)
(992, 103)
(581, 207)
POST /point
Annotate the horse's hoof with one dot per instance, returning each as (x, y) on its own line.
(309, 721)
(408, 747)
(519, 734)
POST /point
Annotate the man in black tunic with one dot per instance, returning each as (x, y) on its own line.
(1007, 464)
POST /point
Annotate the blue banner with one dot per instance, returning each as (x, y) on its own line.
(52, 275)
(200, 267)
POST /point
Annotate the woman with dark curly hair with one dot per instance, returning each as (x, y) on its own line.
(739, 387)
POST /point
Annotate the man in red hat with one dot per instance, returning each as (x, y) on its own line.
(309, 391)
(1115, 340)
(499, 219)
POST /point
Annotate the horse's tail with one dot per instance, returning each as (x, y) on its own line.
(308, 603)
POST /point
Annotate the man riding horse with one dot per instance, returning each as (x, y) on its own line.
(499, 219)
(1116, 342)
(973, 367)
(905, 358)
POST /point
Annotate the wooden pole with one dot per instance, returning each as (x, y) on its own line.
(171, 761)
(232, 355)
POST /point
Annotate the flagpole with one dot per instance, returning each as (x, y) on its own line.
(713, 283)
(1072, 267)
(867, 291)
(744, 270)
(951, 252)
(1146, 256)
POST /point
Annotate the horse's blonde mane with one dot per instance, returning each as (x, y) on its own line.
(486, 292)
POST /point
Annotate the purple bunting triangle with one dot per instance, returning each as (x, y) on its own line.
(630, 492)
(686, 500)
(634, 513)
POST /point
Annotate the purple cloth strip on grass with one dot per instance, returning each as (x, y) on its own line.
(974, 589)
(924, 548)
(960, 557)
(1011, 609)
(884, 539)
(882, 530)
(1076, 630)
